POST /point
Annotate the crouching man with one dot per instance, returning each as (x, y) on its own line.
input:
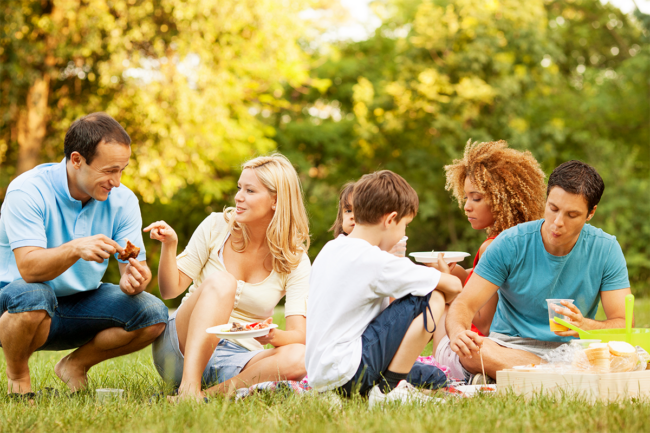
(59, 224)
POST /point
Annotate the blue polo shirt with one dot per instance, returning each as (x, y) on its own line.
(527, 275)
(38, 211)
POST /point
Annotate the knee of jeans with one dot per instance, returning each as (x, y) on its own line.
(150, 311)
(22, 297)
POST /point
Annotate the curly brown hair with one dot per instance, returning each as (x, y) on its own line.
(512, 182)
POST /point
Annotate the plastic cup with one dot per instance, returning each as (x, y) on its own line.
(556, 327)
(106, 394)
(402, 253)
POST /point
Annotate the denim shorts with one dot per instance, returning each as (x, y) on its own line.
(226, 362)
(380, 342)
(76, 319)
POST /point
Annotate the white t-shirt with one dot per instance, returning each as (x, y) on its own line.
(349, 280)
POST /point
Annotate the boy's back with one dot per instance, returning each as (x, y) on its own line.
(349, 280)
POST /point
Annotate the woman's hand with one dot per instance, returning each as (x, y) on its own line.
(267, 339)
(161, 231)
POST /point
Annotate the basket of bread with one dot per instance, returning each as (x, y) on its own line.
(610, 357)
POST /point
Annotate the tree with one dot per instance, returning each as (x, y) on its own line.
(180, 75)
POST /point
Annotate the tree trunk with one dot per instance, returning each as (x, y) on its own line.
(32, 123)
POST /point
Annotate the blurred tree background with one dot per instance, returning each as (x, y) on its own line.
(203, 85)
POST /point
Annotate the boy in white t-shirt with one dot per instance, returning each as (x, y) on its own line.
(351, 343)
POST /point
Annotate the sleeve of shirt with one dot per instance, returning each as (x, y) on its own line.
(130, 227)
(297, 289)
(615, 273)
(24, 220)
(192, 260)
(494, 265)
(398, 277)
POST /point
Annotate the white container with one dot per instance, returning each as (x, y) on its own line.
(107, 394)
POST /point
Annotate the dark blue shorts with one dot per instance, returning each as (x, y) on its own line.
(380, 342)
(76, 319)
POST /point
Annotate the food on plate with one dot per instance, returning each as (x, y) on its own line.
(130, 251)
(238, 327)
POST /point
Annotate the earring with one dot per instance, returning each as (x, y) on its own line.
(273, 207)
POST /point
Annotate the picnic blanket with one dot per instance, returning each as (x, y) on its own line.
(292, 386)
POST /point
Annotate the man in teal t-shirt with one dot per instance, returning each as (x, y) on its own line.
(559, 257)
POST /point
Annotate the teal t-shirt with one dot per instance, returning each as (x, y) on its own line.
(527, 275)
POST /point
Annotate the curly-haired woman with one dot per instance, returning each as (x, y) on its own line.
(241, 263)
(498, 188)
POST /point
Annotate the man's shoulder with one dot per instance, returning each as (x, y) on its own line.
(521, 233)
(594, 234)
(33, 180)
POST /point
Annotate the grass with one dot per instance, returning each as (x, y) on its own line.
(278, 413)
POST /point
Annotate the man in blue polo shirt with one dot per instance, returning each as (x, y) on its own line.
(559, 257)
(59, 224)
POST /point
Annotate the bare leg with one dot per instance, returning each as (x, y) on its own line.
(210, 305)
(281, 363)
(21, 334)
(441, 330)
(109, 343)
(417, 337)
(497, 358)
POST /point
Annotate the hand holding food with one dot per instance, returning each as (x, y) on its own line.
(130, 251)
(466, 342)
(134, 278)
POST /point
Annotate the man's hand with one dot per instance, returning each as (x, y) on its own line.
(135, 277)
(95, 248)
(161, 231)
(573, 316)
(466, 342)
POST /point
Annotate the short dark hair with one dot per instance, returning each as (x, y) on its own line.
(344, 202)
(86, 133)
(576, 177)
(381, 193)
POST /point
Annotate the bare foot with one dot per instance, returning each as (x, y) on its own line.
(199, 398)
(19, 385)
(73, 376)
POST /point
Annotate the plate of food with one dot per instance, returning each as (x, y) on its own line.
(432, 256)
(471, 390)
(236, 330)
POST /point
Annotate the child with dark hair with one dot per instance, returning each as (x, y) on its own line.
(345, 219)
(558, 257)
(352, 345)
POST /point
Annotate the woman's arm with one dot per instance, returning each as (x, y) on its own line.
(171, 281)
(295, 333)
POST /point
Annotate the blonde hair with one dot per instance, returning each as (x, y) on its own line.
(288, 233)
(512, 182)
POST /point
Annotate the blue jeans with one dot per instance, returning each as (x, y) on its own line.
(227, 361)
(76, 319)
(380, 342)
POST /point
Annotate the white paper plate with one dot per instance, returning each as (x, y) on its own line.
(221, 331)
(471, 390)
(428, 257)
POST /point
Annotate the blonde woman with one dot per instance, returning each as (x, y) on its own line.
(241, 263)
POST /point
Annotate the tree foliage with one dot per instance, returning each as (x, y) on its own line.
(203, 85)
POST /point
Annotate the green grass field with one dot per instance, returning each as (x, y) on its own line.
(277, 413)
